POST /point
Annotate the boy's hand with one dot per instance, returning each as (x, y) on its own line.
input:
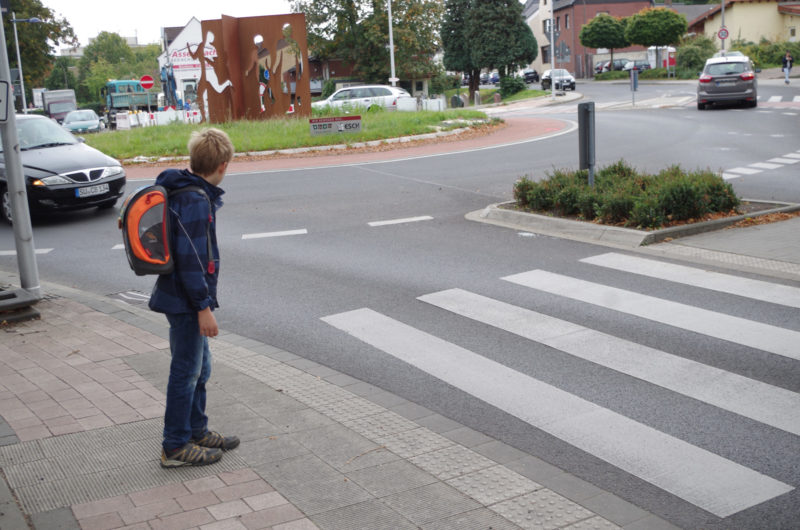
(207, 323)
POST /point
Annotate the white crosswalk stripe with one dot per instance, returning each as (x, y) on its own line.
(698, 476)
(715, 281)
(753, 399)
(756, 335)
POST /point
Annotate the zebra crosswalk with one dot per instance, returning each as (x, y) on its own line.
(697, 475)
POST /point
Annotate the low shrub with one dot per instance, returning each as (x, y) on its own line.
(624, 196)
(510, 85)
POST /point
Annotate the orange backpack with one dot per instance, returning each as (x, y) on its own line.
(144, 221)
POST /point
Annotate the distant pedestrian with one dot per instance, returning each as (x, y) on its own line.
(187, 296)
(787, 65)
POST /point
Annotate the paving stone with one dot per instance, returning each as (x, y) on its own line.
(493, 484)
(364, 515)
(499, 452)
(59, 519)
(350, 409)
(270, 449)
(342, 448)
(542, 509)
(271, 517)
(296, 471)
(430, 503)
(438, 423)
(593, 523)
(386, 479)
(480, 519)
(316, 497)
(467, 437)
(412, 443)
(299, 420)
(380, 425)
(615, 509)
(451, 462)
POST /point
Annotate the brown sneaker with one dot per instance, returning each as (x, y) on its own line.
(216, 441)
(190, 454)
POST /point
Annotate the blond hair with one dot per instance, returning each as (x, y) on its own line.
(208, 149)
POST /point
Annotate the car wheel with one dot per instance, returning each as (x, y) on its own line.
(701, 106)
(545, 85)
(5, 204)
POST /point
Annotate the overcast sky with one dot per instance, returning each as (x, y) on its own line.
(145, 18)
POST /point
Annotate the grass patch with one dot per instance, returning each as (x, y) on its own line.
(623, 196)
(282, 133)
(487, 94)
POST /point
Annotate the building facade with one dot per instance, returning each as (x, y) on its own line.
(751, 21)
(568, 17)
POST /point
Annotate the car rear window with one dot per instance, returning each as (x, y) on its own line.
(725, 68)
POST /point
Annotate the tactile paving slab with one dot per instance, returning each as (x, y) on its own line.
(493, 484)
(451, 462)
(542, 509)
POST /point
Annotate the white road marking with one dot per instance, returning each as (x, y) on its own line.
(729, 176)
(775, 99)
(726, 283)
(765, 165)
(756, 335)
(401, 221)
(789, 113)
(783, 160)
(795, 156)
(796, 99)
(36, 251)
(118, 247)
(709, 481)
(299, 232)
(743, 170)
(132, 295)
(747, 397)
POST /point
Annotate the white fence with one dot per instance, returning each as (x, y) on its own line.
(148, 119)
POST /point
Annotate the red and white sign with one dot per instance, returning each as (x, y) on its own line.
(146, 81)
(722, 33)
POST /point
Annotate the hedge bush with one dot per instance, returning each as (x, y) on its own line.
(624, 196)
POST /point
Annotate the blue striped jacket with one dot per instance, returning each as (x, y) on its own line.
(192, 286)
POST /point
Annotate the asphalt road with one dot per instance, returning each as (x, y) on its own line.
(382, 278)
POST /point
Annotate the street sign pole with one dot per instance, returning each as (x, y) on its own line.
(23, 232)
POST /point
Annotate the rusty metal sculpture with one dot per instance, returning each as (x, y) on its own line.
(259, 70)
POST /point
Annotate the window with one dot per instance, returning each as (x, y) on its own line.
(566, 21)
(419, 87)
(558, 23)
(792, 32)
(545, 54)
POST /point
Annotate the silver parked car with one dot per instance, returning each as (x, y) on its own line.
(731, 78)
(365, 96)
(563, 79)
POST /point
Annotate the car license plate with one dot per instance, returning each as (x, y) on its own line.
(726, 83)
(89, 191)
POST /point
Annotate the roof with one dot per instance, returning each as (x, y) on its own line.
(530, 8)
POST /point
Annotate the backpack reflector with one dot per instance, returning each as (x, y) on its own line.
(144, 220)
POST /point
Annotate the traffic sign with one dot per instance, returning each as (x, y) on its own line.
(722, 33)
(146, 81)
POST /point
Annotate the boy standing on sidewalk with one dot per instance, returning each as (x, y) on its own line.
(188, 295)
(787, 65)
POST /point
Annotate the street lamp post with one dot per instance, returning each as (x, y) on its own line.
(14, 20)
(392, 79)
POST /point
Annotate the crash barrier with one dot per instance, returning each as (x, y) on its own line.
(129, 120)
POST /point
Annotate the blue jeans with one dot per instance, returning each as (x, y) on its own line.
(185, 417)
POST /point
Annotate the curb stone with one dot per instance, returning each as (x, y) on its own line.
(625, 237)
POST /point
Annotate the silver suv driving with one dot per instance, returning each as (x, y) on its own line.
(731, 78)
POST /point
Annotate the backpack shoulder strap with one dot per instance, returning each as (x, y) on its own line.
(202, 192)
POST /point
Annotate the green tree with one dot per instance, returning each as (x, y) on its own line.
(36, 40)
(332, 26)
(499, 37)
(61, 76)
(415, 29)
(604, 31)
(455, 43)
(656, 27)
(693, 52)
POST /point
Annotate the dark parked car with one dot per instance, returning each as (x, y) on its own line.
(605, 66)
(563, 79)
(60, 171)
(494, 78)
(727, 79)
(530, 75)
(637, 65)
(484, 79)
(83, 121)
